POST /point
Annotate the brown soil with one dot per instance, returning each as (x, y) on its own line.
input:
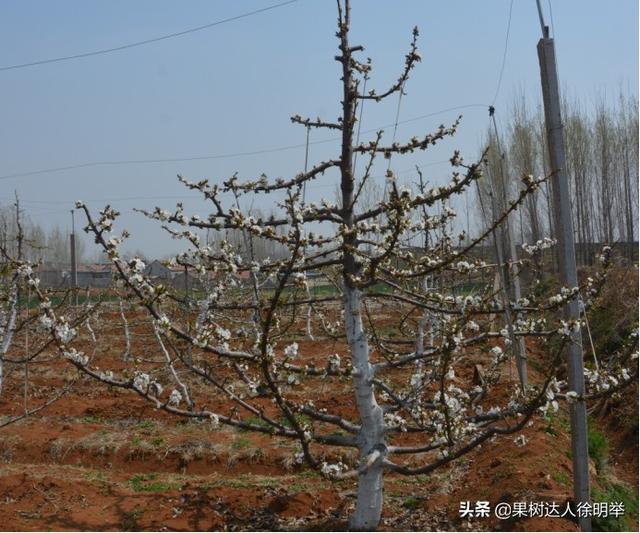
(101, 459)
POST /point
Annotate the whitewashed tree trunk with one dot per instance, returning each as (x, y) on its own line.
(370, 482)
(127, 338)
(9, 327)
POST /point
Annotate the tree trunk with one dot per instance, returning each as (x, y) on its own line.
(366, 516)
(9, 325)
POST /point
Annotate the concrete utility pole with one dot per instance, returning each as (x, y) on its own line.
(74, 264)
(567, 262)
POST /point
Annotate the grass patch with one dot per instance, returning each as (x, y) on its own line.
(561, 477)
(598, 446)
(295, 488)
(614, 492)
(147, 425)
(610, 491)
(240, 443)
(95, 476)
(549, 428)
(256, 421)
(268, 483)
(149, 483)
(411, 502)
(300, 418)
(92, 419)
(499, 476)
(308, 473)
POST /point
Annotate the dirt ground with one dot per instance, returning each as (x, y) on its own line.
(103, 459)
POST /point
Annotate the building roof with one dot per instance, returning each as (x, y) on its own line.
(96, 267)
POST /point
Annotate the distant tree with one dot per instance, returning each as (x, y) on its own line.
(32, 234)
(17, 281)
(135, 253)
(602, 155)
(524, 158)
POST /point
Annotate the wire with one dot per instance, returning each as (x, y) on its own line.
(220, 156)
(148, 161)
(146, 41)
(504, 54)
(393, 140)
(553, 33)
(553, 28)
(395, 124)
(116, 199)
(355, 154)
(178, 197)
(406, 121)
(306, 164)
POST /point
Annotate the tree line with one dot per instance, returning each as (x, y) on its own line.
(50, 245)
(602, 167)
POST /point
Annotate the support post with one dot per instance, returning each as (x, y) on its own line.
(74, 259)
(567, 261)
(518, 345)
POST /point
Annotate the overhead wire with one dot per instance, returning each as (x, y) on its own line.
(504, 54)
(553, 34)
(355, 154)
(492, 119)
(395, 124)
(306, 164)
(236, 154)
(221, 156)
(553, 28)
(182, 196)
(145, 41)
(389, 176)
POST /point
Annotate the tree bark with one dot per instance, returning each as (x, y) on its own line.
(366, 516)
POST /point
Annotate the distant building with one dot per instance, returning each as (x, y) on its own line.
(51, 275)
(157, 270)
(95, 275)
(58, 275)
(177, 276)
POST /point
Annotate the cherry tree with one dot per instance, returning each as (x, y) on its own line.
(405, 337)
(21, 343)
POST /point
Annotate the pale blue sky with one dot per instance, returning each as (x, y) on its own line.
(232, 88)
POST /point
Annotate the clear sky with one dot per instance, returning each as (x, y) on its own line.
(233, 87)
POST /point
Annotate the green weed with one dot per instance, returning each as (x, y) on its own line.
(95, 475)
(148, 483)
(614, 492)
(411, 502)
(146, 425)
(598, 446)
(300, 418)
(240, 443)
(256, 421)
(561, 478)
